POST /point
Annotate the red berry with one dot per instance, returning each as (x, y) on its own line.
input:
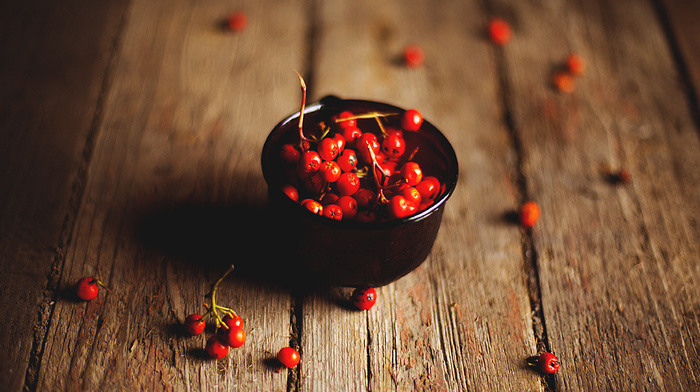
(350, 122)
(330, 171)
(310, 161)
(291, 192)
(347, 160)
(364, 143)
(87, 288)
(349, 206)
(235, 336)
(548, 363)
(348, 184)
(328, 149)
(365, 197)
(288, 357)
(575, 64)
(329, 198)
(413, 56)
(366, 216)
(399, 207)
(237, 21)
(563, 82)
(499, 31)
(412, 195)
(290, 154)
(351, 134)
(194, 324)
(216, 347)
(340, 141)
(313, 206)
(411, 173)
(393, 146)
(333, 211)
(364, 298)
(429, 188)
(411, 120)
(233, 321)
(529, 213)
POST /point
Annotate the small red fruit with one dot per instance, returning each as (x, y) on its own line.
(499, 31)
(330, 171)
(411, 120)
(349, 206)
(413, 56)
(563, 82)
(235, 336)
(350, 122)
(216, 347)
(313, 206)
(364, 298)
(411, 173)
(575, 64)
(529, 213)
(328, 149)
(348, 184)
(291, 192)
(288, 357)
(87, 288)
(194, 324)
(233, 321)
(333, 211)
(237, 21)
(399, 207)
(548, 363)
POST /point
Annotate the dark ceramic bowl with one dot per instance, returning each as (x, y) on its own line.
(352, 253)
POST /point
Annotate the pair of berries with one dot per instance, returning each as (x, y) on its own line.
(563, 79)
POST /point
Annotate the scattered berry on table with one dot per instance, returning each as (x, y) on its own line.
(575, 64)
(237, 21)
(499, 31)
(529, 213)
(194, 324)
(288, 357)
(87, 288)
(563, 82)
(364, 298)
(411, 120)
(413, 56)
(547, 363)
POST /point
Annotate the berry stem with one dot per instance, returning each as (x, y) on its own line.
(375, 166)
(302, 138)
(214, 306)
(365, 116)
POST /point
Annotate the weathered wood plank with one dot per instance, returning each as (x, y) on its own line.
(618, 264)
(462, 320)
(55, 58)
(172, 196)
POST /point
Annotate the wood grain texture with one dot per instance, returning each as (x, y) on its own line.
(171, 199)
(618, 264)
(55, 58)
(463, 319)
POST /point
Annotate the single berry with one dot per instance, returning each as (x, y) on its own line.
(313, 206)
(529, 213)
(87, 288)
(411, 120)
(563, 82)
(237, 21)
(344, 119)
(575, 64)
(622, 176)
(412, 195)
(235, 336)
(233, 321)
(548, 363)
(347, 160)
(499, 31)
(413, 56)
(328, 149)
(429, 188)
(348, 184)
(365, 197)
(351, 133)
(216, 347)
(290, 154)
(333, 211)
(310, 162)
(364, 298)
(330, 171)
(194, 324)
(366, 142)
(411, 173)
(291, 192)
(393, 146)
(288, 357)
(399, 207)
(349, 206)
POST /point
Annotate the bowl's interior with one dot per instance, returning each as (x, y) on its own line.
(433, 151)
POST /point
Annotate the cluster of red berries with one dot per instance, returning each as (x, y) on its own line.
(344, 173)
(229, 328)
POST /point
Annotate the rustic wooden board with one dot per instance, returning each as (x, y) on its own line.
(50, 86)
(618, 264)
(463, 319)
(172, 193)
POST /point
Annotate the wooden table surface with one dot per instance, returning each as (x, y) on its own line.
(130, 142)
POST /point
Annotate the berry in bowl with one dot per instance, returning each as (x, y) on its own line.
(357, 189)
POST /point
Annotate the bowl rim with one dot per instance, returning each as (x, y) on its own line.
(331, 101)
